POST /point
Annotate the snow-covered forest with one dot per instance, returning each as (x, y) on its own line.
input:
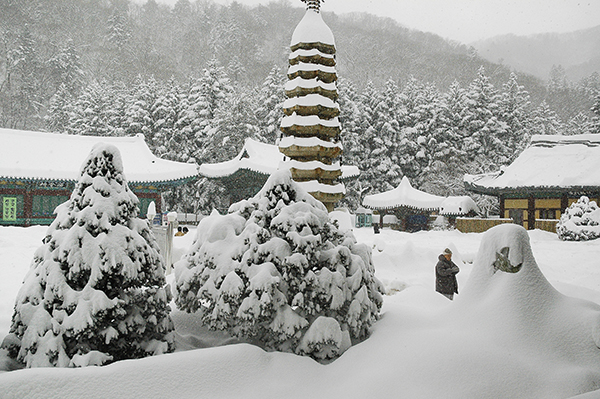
(198, 78)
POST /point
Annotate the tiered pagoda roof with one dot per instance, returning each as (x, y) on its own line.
(310, 127)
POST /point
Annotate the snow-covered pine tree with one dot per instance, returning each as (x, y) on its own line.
(579, 124)
(278, 271)
(96, 291)
(59, 111)
(580, 221)
(351, 135)
(514, 111)
(595, 121)
(138, 116)
(545, 121)
(486, 130)
(269, 111)
(89, 112)
(164, 114)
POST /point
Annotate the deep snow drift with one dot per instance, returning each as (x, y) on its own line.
(504, 336)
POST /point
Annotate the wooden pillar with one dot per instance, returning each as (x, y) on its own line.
(531, 213)
(502, 206)
(27, 207)
(564, 202)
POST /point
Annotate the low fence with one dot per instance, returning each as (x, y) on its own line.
(479, 225)
(546, 224)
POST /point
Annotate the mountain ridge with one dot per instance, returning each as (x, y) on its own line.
(578, 52)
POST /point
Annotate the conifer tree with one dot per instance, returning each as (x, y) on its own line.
(95, 292)
(269, 111)
(276, 270)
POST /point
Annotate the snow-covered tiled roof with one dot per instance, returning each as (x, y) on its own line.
(550, 162)
(258, 157)
(312, 29)
(458, 206)
(51, 156)
(404, 195)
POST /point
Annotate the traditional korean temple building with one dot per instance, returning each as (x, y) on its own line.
(244, 175)
(311, 129)
(551, 174)
(38, 171)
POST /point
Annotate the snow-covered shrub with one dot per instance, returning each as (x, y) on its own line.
(277, 270)
(581, 221)
(96, 289)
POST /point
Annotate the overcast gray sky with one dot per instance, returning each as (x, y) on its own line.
(470, 20)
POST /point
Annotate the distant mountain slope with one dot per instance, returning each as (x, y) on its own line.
(578, 52)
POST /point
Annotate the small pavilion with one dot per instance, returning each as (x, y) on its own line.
(38, 171)
(411, 207)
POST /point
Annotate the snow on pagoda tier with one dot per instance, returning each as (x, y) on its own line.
(307, 70)
(301, 87)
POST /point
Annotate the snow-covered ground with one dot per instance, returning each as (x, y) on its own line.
(504, 336)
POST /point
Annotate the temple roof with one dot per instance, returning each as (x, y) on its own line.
(404, 196)
(549, 163)
(312, 29)
(50, 156)
(258, 157)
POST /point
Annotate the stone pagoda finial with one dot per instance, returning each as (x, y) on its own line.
(313, 4)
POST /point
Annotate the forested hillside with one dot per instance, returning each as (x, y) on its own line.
(198, 78)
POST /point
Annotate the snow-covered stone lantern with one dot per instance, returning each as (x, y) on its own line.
(311, 129)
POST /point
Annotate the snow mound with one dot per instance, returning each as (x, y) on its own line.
(508, 299)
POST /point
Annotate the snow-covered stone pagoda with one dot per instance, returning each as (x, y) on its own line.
(311, 129)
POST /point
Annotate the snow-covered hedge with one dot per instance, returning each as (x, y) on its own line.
(581, 221)
(277, 270)
(96, 289)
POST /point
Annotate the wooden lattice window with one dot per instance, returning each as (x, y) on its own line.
(9, 209)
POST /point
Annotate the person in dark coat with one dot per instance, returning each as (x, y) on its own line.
(445, 275)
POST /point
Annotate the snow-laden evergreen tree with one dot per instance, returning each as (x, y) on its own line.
(89, 112)
(580, 221)
(579, 124)
(278, 271)
(205, 97)
(96, 289)
(164, 111)
(486, 130)
(351, 135)
(595, 121)
(66, 69)
(58, 116)
(545, 121)
(269, 111)
(514, 110)
(139, 113)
